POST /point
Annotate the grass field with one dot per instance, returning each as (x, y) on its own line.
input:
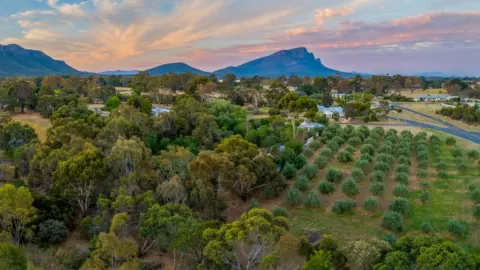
(449, 200)
(36, 121)
(420, 92)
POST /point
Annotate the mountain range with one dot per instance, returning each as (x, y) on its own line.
(17, 61)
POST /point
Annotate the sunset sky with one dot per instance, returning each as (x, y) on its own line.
(371, 36)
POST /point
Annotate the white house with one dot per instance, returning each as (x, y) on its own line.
(329, 111)
(157, 111)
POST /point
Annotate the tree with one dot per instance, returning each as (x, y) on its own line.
(80, 176)
(14, 134)
(12, 257)
(112, 103)
(320, 260)
(252, 236)
(206, 131)
(445, 255)
(16, 206)
(52, 231)
(366, 253)
(172, 190)
(23, 93)
(327, 100)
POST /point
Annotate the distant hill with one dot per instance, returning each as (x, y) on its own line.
(120, 72)
(17, 61)
(296, 61)
(175, 68)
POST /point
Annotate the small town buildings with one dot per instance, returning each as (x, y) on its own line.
(157, 111)
(329, 111)
(310, 125)
(436, 98)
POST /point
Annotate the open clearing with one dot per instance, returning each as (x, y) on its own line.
(420, 92)
(36, 121)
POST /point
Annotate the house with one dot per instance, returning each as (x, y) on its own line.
(435, 98)
(338, 95)
(310, 125)
(329, 111)
(157, 111)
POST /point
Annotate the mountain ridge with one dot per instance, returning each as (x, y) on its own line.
(176, 67)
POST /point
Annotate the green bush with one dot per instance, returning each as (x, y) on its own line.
(422, 156)
(393, 221)
(441, 166)
(344, 156)
(457, 152)
(326, 152)
(321, 161)
(326, 187)
(424, 184)
(52, 231)
(381, 166)
(378, 176)
(472, 187)
(355, 141)
(368, 148)
(385, 158)
(450, 141)
(425, 196)
(293, 196)
(280, 212)
(377, 188)
(427, 227)
(310, 171)
(333, 145)
(308, 152)
(350, 187)
(315, 145)
(403, 168)
(422, 174)
(313, 200)
(462, 167)
(366, 157)
(399, 205)
(371, 142)
(350, 149)
(302, 182)
(289, 170)
(300, 161)
(476, 211)
(475, 195)
(358, 174)
(253, 204)
(404, 160)
(423, 164)
(473, 154)
(456, 228)
(389, 238)
(401, 190)
(442, 174)
(344, 206)
(334, 175)
(362, 164)
(401, 177)
(370, 204)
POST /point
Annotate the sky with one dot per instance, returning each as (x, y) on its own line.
(369, 36)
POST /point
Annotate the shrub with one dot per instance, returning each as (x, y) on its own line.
(350, 187)
(362, 164)
(334, 175)
(377, 188)
(358, 174)
(280, 212)
(422, 174)
(404, 160)
(456, 228)
(315, 145)
(344, 206)
(381, 166)
(289, 170)
(326, 152)
(370, 204)
(422, 156)
(293, 196)
(313, 200)
(424, 184)
(462, 167)
(344, 156)
(473, 154)
(366, 157)
(475, 195)
(302, 182)
(378, 176)
(476, 211)
(401, 177)
(321, 162)
(441, 166)
(423, 164)
(326, 187)
(442, 174)
(426, 227)
(393, 221)
(333, 145)
(308, 152)
(386, 158)
(450, 141)
(300, 161)
(457, 152)
(389, 238)
(472, 187)
(403, 168)
(425, 196)
(355, 141)
(309, 170)
(350, 149)
(371, 142)
(399, 205)
(52, 231)
(368, 148)
(401, 190)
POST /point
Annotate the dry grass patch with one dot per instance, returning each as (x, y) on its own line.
(36, 121)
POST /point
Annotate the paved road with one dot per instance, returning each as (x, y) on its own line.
(450, 128)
